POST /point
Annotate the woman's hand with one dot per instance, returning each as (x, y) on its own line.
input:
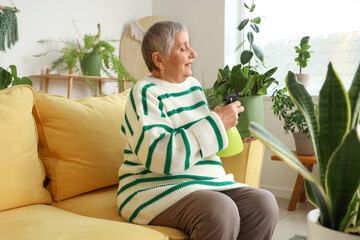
(229, 114)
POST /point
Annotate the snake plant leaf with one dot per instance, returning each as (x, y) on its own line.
(243, 24)
(255, 27)
(354, 96)
(316, 195)
(250, 37)
(246, 56)
(258, 52)
(279, 149)
(306, 105)
(343, 177)
(256, 20)
(334, 116)
(351, 214)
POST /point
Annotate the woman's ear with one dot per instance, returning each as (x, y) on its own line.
(157, 59)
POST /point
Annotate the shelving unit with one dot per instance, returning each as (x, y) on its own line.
(71, 77)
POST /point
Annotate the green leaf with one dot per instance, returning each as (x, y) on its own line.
(5, 78)
(258, 52)
(250, 37)
(243, 24)
(246, 6)
(279, 149)
(354, 97)
(13, 71)
(252, 7)
(246, 56)
(23, 80)
(334, 117)
(304, 40)
(350, 217)
(306, 105)
(255, 27)
(238, 79)
(256, 20)
(343, 177)
(240, 45)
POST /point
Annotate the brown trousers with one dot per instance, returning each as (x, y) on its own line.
(243, 213)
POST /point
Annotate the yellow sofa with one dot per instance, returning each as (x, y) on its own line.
(59, 160)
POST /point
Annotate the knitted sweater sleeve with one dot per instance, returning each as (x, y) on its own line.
(161, 147)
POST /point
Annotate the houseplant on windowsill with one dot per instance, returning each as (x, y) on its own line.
(89, 57)
(245, 78)
(334, 129)
(302, 59)
(294, 121)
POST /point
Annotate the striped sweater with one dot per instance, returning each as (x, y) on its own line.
(171, 144)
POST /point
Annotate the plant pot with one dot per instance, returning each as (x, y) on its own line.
(317, 232)
(91, 64)
(254, 111)
(303, 144)
(303, 78)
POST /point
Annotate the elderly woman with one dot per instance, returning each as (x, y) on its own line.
(171, 175)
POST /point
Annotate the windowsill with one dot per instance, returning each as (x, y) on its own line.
(268, 97)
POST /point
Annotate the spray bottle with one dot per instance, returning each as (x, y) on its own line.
(235, 145)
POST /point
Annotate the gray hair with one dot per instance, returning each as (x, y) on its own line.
(159, 38)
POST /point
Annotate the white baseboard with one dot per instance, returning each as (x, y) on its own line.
(279, 192)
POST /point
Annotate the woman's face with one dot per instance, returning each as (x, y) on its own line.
(177, 66)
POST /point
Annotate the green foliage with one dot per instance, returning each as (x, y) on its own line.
(303, 53)
(333, 130)
(212, 100)
(72, 53)
(7, 78)
(284, 108)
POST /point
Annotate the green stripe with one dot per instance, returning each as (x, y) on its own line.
(173, 189)
(143, 96)
(187, 147)
(127, 151)
(217, 132)
(142, 190)
(133, 174)
(188, 125)
(208, 162)
(151, 150)
(141, 138)
(169, 155)
(165, 178)
(201, 155)
(127, 162)
(190, 90)
(123, 129)
(181, 109)
(128, 125)
(161, 108)
(133, 103)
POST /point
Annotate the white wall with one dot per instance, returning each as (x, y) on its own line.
(41, 19)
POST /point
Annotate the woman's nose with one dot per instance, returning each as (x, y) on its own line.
(192, 53)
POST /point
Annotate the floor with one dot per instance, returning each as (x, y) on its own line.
(291, 223)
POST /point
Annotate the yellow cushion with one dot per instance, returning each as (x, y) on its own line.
(101, 203)
(21, 171)
(43, 222)
(79, 141)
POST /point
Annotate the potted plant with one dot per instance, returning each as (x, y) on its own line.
(334, 129)
(294, 121)
(7, 78)
(89, 57)
(302, 59)
(245, 78)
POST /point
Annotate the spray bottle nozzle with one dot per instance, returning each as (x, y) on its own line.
(231, 98)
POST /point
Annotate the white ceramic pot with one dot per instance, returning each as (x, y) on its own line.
(317, 232)
(303, 78)
(303, 144)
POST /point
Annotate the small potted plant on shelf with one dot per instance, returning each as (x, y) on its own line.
(294, 121)
(302, 59)
(7, 78)
(245, 78)
(89, 57)
(334, 129)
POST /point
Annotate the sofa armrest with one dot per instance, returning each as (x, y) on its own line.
(246, 166)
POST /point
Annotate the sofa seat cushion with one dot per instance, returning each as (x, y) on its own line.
(101, 203)
(80, 142)
(21, 171)
(43, 222)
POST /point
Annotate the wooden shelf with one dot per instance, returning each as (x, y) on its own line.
(71, 77)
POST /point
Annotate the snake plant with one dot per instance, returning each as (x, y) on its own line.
(334, 128)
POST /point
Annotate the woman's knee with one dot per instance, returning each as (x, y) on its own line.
(267, 205)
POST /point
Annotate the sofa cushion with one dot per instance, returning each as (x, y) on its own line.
(42, 222)
(101, 203)
(79, 141)
(21, 172)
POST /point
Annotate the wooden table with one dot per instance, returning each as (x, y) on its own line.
(298, 193)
